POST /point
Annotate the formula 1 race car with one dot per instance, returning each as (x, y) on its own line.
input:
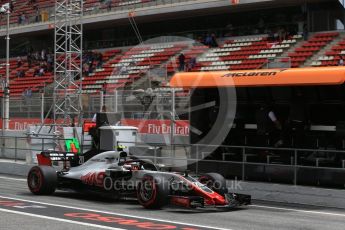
(119, 175)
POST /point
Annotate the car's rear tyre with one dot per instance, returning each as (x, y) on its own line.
(153, 191)
(42, 180)
(214, 181)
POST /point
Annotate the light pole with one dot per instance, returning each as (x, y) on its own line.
(5, 9)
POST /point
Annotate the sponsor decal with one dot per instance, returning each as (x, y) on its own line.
(56, 156)
(120, 221)
(23, 123)
(69, 213)
(253, 73)
(180, 201)
(18, 204)
(93, 179)
(181, 127)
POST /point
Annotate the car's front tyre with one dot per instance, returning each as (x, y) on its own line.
(214, 181)
(153, 191)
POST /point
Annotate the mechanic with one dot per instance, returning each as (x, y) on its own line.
(104, 109)
(298, 120)
(268, 126)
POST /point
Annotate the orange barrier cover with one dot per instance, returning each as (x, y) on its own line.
(262, 77)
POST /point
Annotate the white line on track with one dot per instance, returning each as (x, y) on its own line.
(60, 219)
(258, 206)
(12, 178)
(114, 213)
(300, 210)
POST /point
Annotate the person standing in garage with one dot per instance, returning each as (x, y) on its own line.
(268, 126)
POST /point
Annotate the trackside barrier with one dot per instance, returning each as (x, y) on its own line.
(25, 148)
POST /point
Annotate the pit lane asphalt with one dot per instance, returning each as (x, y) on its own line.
(10, 221)
(259, 216)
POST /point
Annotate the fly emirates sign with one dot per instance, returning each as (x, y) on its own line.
(181, 127)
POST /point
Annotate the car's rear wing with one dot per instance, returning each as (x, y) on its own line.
(48, 156)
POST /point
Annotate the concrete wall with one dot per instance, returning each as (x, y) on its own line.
(12, 148)
(14, 168)
(290, 194)
(17, 145)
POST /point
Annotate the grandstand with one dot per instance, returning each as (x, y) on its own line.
(240, 46)
(41, 10)
(232, 54)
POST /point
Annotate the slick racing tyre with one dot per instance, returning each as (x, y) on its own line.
(153, 191)
(214, 181)
(42, 180)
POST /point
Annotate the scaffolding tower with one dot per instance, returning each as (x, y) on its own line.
(68, 59)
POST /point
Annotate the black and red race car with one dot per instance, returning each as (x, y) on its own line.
(116, 174)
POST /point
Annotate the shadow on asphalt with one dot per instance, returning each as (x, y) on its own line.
(132, 203)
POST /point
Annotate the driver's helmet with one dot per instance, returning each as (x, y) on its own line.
(120, 147)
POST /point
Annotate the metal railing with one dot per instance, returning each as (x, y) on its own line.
(19, 147)
(37, 105)
(281, 165)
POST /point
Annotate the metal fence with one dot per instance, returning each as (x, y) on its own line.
(29, 106)
(129, 102)
(315, 167)
(22, 147)
(298, 166)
